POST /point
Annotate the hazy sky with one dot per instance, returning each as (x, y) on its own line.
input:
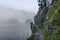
(20, 4)
(30, 5)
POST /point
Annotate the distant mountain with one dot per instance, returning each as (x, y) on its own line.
(29, 21)
(21, 15)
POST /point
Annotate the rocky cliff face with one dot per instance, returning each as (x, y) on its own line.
(51, 25)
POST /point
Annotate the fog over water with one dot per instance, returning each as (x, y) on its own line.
(14, 31)
(13, 24)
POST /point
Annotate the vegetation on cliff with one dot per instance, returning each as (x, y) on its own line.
(53, 14)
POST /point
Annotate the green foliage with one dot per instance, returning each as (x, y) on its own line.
(55, 22)
(41, 25)
(45, 33)
(31, 38)
(56, 19)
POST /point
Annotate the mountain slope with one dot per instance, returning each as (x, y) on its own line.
(54, 15)
(21, 15)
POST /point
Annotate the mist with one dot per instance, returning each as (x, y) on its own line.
(13, 25)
